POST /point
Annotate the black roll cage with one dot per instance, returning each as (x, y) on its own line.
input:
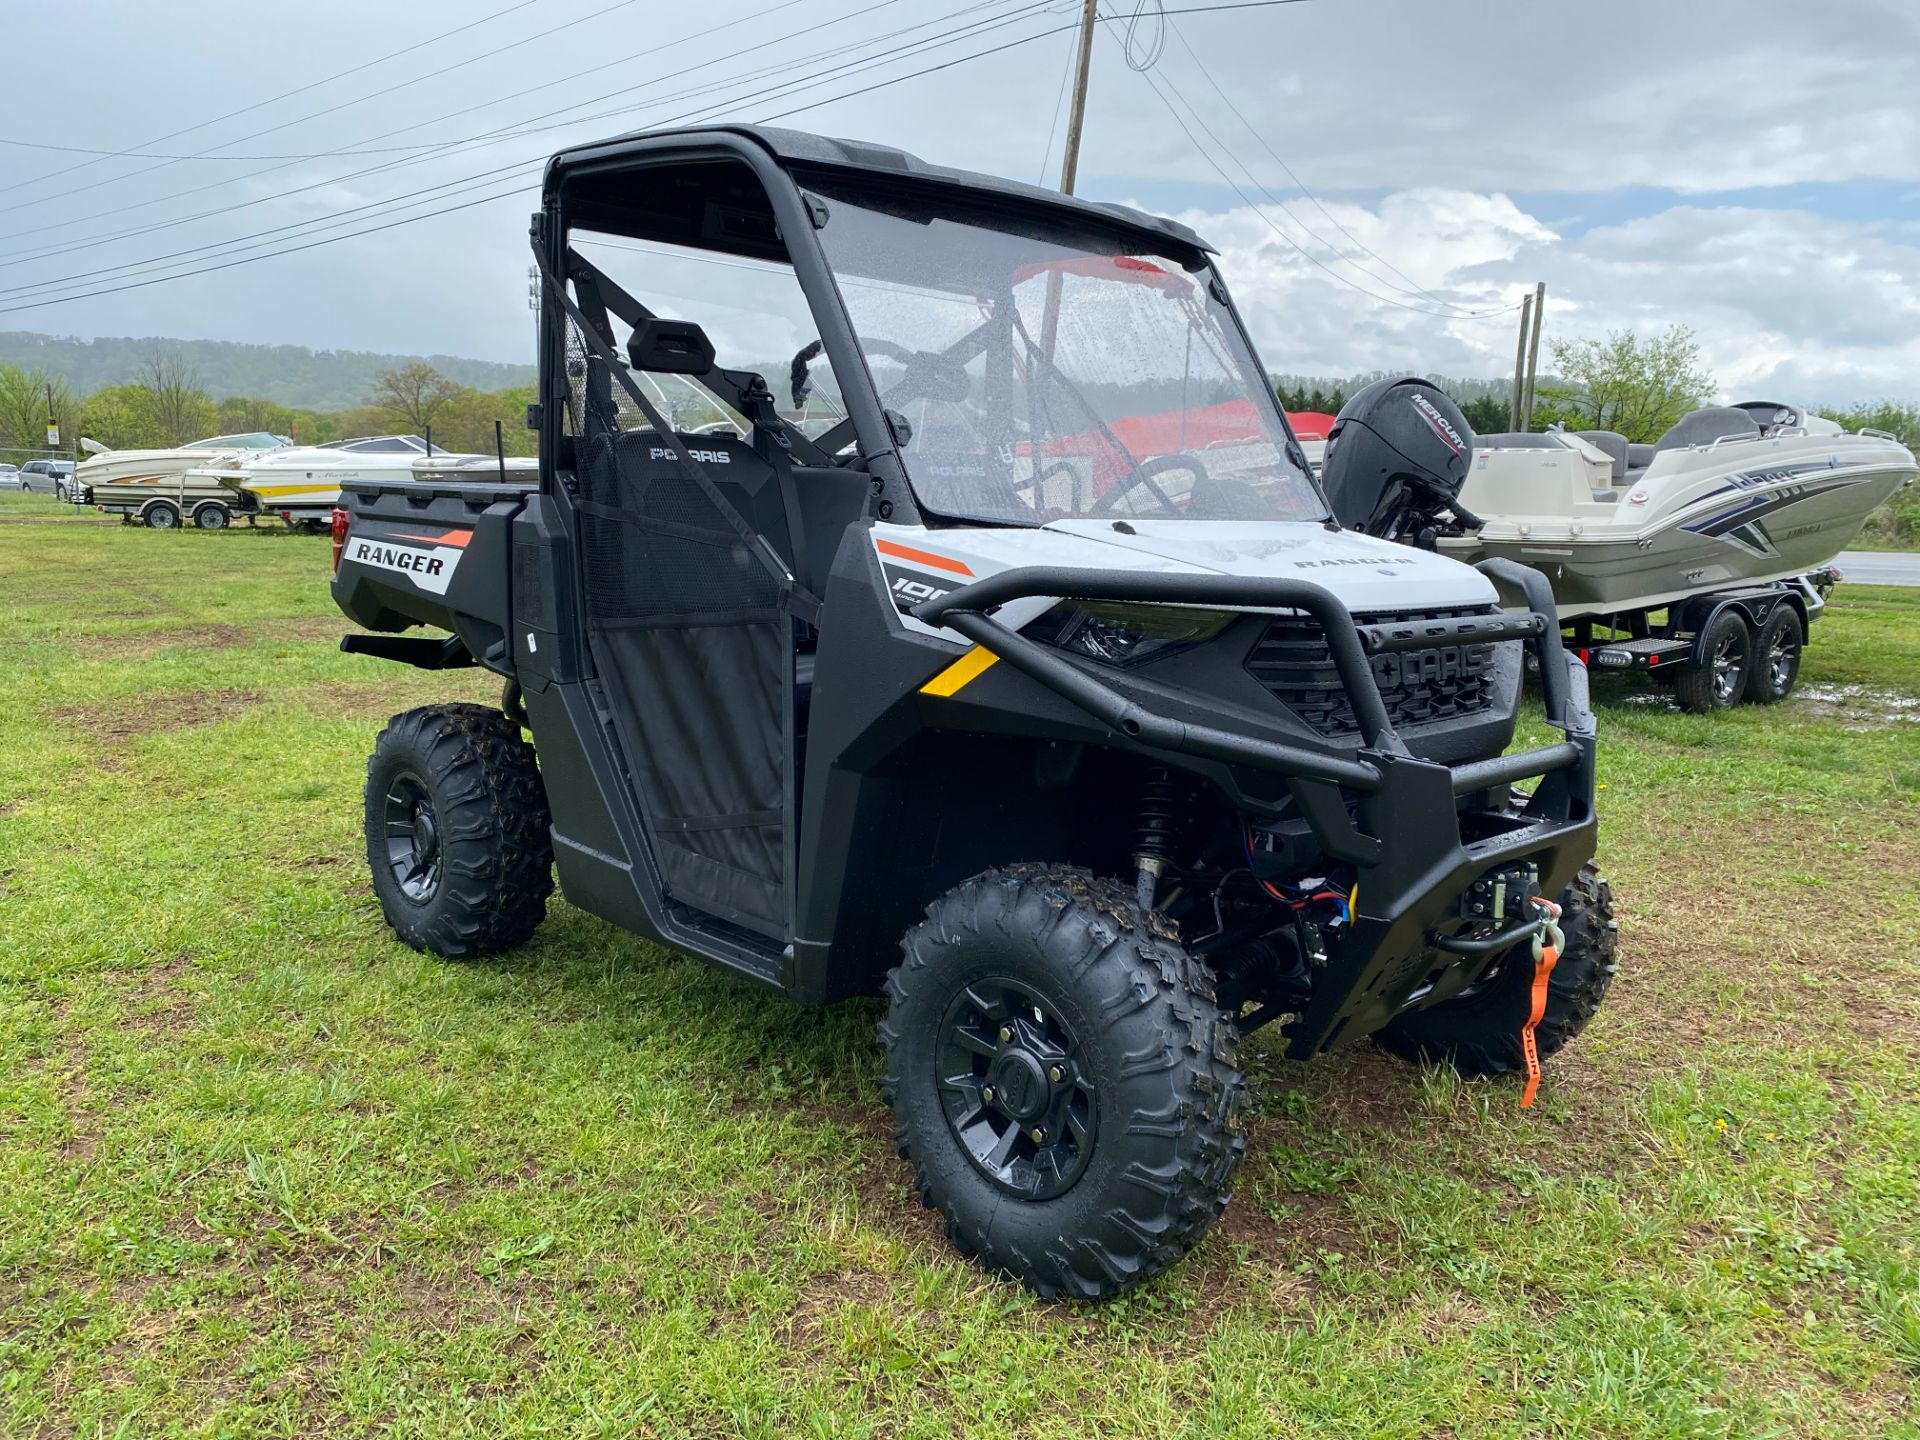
(771, 155)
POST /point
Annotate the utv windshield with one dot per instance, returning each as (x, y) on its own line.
(1047, 374)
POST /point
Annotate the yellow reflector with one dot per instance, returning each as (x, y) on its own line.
(957, 675)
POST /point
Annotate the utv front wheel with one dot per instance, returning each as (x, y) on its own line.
(1478, 1032)
(457, 831)
(1063, 1080)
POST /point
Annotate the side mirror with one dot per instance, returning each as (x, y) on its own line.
(670, 347)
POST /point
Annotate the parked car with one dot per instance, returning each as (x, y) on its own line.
(47, 477)
(9, 477)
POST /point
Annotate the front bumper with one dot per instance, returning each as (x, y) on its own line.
(1418, 833)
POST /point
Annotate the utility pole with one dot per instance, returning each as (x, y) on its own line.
(1070, 164)
(1515, 418)
(1076, 118)
(1533, 351)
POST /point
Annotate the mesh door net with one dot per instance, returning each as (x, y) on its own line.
(691, 641)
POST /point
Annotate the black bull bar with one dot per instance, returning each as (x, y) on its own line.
(1401, 831)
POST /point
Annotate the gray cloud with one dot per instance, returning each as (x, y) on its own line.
(1443, 112)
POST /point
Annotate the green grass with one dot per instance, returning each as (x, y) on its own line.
(264, 1171)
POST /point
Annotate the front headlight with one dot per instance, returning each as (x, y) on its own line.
(1129, 634)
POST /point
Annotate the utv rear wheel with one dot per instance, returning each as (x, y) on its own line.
(1718, 680)
(1776, 664)
(457, 831)
(1478, 1033)
(1063, 1080)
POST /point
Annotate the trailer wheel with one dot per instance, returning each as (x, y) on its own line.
(1063, 1080)
(212, 516)
(1776, 666)
(1719, 681)
(457, 831)
(1478, 1032)
(161, 515)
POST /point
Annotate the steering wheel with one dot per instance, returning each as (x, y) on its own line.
(927, 372)
(1143, 473)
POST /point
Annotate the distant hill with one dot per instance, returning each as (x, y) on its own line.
(286, 374)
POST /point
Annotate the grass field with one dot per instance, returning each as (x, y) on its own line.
(264, 1171)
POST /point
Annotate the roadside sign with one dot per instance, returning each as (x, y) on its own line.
(53, 435)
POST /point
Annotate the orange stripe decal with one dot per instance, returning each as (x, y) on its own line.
(921, 557)
(456, 538)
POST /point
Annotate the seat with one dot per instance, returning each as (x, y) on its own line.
(1613, 444)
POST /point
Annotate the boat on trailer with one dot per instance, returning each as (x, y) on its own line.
(1702, 559)
(1731, 495)
(165, 488)
(302, 485)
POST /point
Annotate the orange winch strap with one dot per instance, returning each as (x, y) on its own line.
(1542, 968)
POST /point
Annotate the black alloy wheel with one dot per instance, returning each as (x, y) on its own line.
(458, 832)
(1718, 681)
(1777, 664)
(413, 838)
(1063, 1078)
(1011, 1084)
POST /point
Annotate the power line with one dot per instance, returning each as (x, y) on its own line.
(330, 110)
(518, 189)
(33, 304)
(1254, 205)
(1059, 100)
(707, 88)
(289, 94)
(202, 155)
(1299, 184)
(499, 132)
(1150, 57)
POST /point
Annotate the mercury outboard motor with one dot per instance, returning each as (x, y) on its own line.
(1396, 458)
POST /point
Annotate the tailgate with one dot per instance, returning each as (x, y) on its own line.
(430, 553)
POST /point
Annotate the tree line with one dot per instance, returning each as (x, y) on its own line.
(166, 404)
(1633, 385)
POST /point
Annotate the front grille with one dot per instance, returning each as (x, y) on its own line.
(1419, 687)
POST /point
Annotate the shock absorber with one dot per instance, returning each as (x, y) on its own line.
(1153, 840)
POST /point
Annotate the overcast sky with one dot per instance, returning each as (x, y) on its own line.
(1749, 169)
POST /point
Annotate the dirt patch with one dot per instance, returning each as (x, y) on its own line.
(139, 645)
(144, 714)
(350, 697)
(69, 1074)
(304, 627)
(142, 644)
(826, 1295)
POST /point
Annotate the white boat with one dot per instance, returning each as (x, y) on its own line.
(303, 482)
(1731, 495)
(135, 478)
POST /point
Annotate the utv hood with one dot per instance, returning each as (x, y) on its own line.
(1368, 575)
